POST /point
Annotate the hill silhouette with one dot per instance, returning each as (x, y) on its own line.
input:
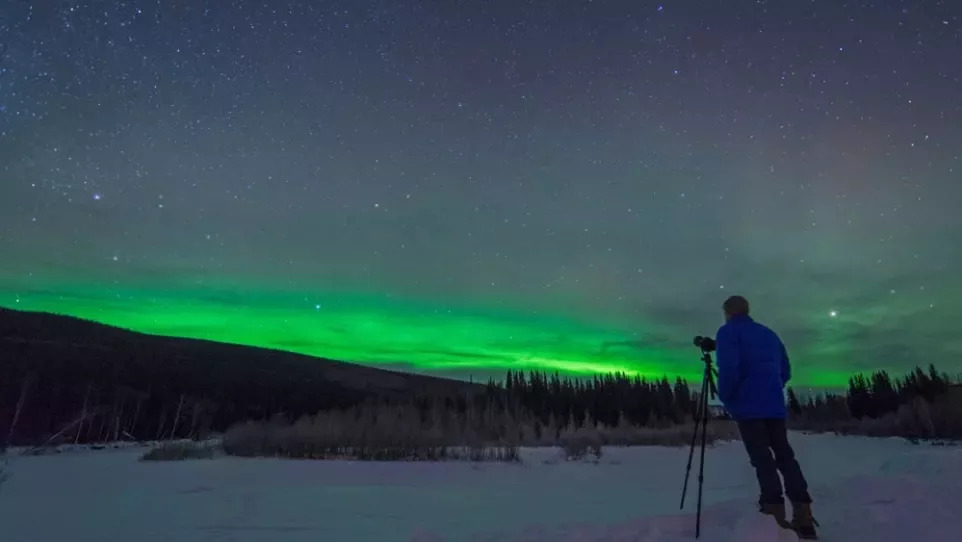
(123, 383)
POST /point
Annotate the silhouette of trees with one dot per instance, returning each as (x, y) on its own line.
(604, 399)
(794, 405)
(879, 394)
(68, 380)
(918, 405)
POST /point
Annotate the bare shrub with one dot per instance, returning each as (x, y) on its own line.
(405, 432)
(946, 416)
(180, 451)
(916, 420)
(501, 454)
(379, 433)
(675, 435)
(579, 443)
(587, 441)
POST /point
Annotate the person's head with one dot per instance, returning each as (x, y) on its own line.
(735, 305)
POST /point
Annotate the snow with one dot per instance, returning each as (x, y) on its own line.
(886, 490)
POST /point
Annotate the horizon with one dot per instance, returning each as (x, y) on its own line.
(168, 322)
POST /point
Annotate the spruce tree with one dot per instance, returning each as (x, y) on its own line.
(794, 406)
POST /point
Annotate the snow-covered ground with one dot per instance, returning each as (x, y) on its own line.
(865, 489)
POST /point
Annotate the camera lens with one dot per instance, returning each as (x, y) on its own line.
(707, 344)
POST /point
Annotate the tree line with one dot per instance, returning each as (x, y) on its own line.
(604, 399)
(874, 395)
(85, 393)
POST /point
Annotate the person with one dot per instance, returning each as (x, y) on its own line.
(753, 369)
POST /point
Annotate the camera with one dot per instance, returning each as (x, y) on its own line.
(707, 344)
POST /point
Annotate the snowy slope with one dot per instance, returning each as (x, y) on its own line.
(866, 489)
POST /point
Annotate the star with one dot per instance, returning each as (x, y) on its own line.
(562, 176)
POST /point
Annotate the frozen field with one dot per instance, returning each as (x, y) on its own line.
(865, 489)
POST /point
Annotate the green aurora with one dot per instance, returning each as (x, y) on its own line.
(460, 188)
(404, 334)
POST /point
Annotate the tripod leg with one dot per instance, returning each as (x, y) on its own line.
(702, 406)
(701, 472)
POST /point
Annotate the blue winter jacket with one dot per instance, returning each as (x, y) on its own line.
(753, 369)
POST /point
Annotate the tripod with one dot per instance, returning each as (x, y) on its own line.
(701, 418)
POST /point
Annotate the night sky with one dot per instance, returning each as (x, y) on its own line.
(461, 187)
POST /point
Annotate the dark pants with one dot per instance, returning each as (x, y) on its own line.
(762, 438)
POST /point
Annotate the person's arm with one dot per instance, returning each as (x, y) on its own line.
(786, 364)
(728, 358)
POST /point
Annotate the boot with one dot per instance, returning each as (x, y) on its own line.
(777, 511)
(803, 523)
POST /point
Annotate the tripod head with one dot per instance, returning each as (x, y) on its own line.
(707, 344)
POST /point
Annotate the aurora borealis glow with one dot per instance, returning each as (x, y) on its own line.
(460, 188)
